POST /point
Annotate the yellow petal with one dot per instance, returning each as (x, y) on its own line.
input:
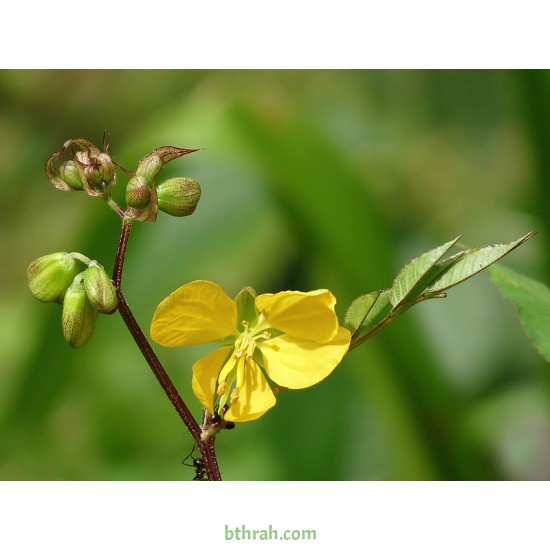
(295, 363)
(308, 315)
(205, 376)
(255, 396)
(196, 313)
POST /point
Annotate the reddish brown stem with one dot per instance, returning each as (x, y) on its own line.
(157, 368)
(206, 446)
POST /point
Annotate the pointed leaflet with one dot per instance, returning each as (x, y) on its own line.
(473, 261)
(358, 311)
(366, 311)
(417, 271)
(532, 300)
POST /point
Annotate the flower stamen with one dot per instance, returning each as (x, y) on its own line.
(250, 349)
(226, 386)
(221, 388)
(234, 395)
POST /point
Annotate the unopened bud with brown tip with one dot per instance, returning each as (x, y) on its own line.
(138, 192)
(100, 289)
(178, 196)
(79, 316)
(70, 174)
(50, 276)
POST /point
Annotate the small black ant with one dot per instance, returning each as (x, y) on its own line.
(227, 424)
(198, 464)
(216, 419)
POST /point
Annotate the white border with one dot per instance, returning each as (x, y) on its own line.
(285, 34)
(381, 515)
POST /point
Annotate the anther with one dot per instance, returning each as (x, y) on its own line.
(234, 395)
(221, 388)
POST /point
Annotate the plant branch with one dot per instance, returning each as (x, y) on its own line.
(157, 368)
(121, 251)
(393, 315)
(206, 446)
(371, 332)
(114, 206)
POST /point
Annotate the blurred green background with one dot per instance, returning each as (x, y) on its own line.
(310, 179)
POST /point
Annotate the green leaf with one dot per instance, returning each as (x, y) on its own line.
(464, 265)
(366, 311)
(416, 274)
(532, 300)
(358, 311)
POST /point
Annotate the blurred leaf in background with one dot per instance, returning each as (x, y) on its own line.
(310, 179)
(532, 300)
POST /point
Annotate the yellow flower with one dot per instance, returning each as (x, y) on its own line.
(293, 336)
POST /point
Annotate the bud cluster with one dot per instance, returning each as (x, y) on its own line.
(80, 284)
(94, 171)
(176, 196)
(89, 169)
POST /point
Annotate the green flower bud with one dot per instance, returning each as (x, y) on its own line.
(138, 192)
(99, 169)
(50, 276)
(178, 196)
(100, 289)
(79, 316)
(70, 174)
(149, 167)
(93, 174)
(107, 167)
